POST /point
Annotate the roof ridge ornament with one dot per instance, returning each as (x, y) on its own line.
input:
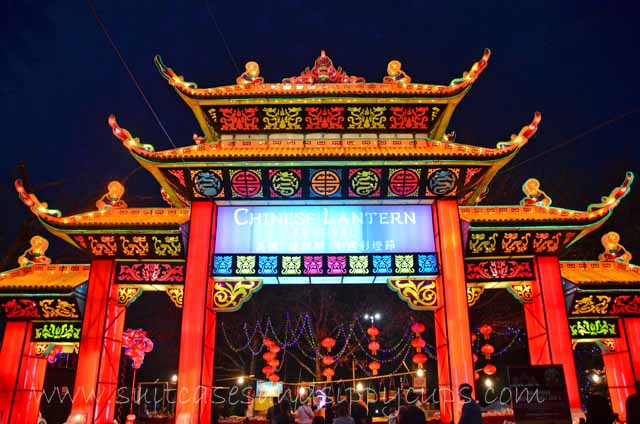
(395, 74)
(35, 254)
(33, 203)
(524, 135)
(170, 75)
(323, 71)
(127, 139)
(613, 250)
(251, 74)
(617, 194)
(534, 196)
(112, 199)
(476, 69)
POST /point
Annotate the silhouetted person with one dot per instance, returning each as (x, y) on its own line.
(411, 414)
(318, 419)
(598, 410)
(283, 414)
(633, 406)
(341, 414)
(359, 413)
(273, 409)
(471, 413)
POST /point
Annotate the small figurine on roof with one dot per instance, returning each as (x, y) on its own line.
(35, 255)
(251, 74)
(613, 250)
(113, 198)
(535, 196)
(395, 74)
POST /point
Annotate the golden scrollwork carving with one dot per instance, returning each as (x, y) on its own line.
(41, 349)
(176, 294)
(61, 309)
(607, 345)
(522, 291)
(282, 118)
(229, 295)
(128, 294)
(419, 293)
(479, 243)
(513, 242)
(167, 245)
(366, 117)
(587, 305)
(473, 294)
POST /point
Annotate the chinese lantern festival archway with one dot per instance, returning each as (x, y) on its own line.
(324, 178)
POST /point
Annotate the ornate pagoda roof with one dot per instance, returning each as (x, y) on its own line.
(498, 231)
(153, 233)
(47, 278)
(177, 170)
(323, 84)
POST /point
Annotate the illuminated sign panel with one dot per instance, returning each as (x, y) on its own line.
(362, 229)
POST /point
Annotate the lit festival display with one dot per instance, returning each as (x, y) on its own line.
(323, 178)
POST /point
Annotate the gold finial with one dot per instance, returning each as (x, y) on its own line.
(395, 74)
(35, 254)
(613, 250)
(113, 198)
(534, 196)
(251, 74)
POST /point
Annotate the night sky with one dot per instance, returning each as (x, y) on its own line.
(575, 62)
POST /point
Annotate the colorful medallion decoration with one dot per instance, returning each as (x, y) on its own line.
(246, 183)
(285, 182)
(589, 328)
(208, 183)
(325, 182)
(364, 182)
(404, 182)
(441, 182)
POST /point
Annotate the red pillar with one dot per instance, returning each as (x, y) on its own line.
(26, 401)
(16, 335)
(619, 371)
(107, 386)
(548, 326)
(21, 376)
(632, 332)
(453, 339)
(197, 336)
(89, 397)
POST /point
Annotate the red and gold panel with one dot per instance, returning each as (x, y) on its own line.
(488, 243)
(149, 272)
(132, 246)
(606, 303)
(40, 308)
(495, 270)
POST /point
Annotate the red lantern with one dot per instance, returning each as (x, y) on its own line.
(373, 347)
(488, 350)
(274, 363)
(475, 358)
(473, 337)
(418, 343)
(267, 370)
(419, 358)
(328, 372)
(489, 369)
(274, 348)
(476, 376)
(373, 332)
(486, 330)
(374, 366)
(268, 342)
(328, 343)
(268, 356)
(274, 378)
(417, 327)
(328, 360)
